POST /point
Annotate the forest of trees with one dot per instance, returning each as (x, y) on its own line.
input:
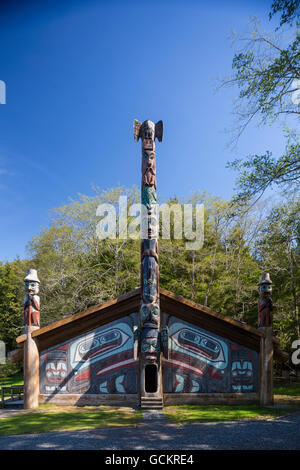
(79, 270)
(243, 236)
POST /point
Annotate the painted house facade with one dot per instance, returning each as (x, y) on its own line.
(93, 357)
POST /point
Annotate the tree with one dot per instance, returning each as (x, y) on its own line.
(266, 71)
(289, 10)
(278, 250)
(78, 269)
(223, 274)
(12, 300)
(261, 172)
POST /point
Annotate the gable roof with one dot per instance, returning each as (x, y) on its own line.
(170, 303)
(79, 323)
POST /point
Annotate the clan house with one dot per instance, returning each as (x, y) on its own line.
(149, 347)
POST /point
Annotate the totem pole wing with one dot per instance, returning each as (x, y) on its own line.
(137, 129)
(159, 129)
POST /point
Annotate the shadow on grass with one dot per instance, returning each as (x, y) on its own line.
(16, 379)
(51, 421)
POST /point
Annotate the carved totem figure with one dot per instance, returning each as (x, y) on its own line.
(150, 343)
(32, 300)
(150, 310)
(265, 306)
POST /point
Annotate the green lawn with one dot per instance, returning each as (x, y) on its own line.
(49, 418)
(287, 395)
(185, 414)
(292, 389)
(16, 379)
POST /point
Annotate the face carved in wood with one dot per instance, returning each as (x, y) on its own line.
(149, 159)
(265, 289)
(149, 197)
(150, 346)
(150, 313)
(32, 287)
(148, 169)
(148, 130)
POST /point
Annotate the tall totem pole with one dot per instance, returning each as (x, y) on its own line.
(149, 321)
(31, 353)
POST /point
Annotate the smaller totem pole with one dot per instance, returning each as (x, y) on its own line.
(265, 306)
(32, 301)
(31, 353)
(265, 322)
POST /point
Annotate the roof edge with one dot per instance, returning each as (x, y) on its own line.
(136, 293)
(219, 316)
(78, 316)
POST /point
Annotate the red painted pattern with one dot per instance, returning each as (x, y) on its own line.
(184, 366)
(191, 364)
(85, 375)
(116, 366)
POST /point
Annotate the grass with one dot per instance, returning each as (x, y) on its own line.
(51, 418)
(285, 395)
(288, 389)
(16, 379)
(186, 414)
(9, 381)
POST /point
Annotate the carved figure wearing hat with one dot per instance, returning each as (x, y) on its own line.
(32, 300)
(265, 306)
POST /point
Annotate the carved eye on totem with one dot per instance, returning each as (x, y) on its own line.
(265, 289)
(155, 311)
(150, 312)
(149, 158)
(148, 130)
(32, 287)
(150, 345)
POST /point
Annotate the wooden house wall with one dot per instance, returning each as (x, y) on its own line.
(102, 361)
(202, 362)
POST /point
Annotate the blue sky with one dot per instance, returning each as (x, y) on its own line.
(77, 73)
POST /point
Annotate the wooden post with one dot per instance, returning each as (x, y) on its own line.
(266, 367)
(31, 372)
(265, 321)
